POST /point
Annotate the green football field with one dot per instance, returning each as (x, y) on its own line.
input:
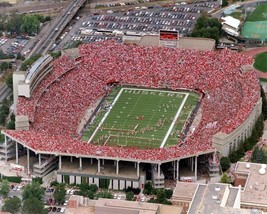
(144, 118)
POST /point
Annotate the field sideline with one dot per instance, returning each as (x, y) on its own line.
(145, 118)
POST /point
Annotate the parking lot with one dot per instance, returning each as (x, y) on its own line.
(114, 24)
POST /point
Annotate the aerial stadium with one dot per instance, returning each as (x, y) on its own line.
(118, 115)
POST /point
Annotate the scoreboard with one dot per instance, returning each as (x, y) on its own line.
(168, 35)
(169, 38)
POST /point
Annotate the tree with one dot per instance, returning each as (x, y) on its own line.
(264, 104)
(225, 163)
(258, 155)
(12, 205)
(4, 66)
(103, 194)
(226, 178)
(32, 206)
(207, 27)
(168, 193)
(4, 189)
(129, 196)
(90, 194)
(33, 190)
(60, 193)
(224, 3)
(30, 24)
(148, 188)
(93, 188)
(11, 125)
(9, 80)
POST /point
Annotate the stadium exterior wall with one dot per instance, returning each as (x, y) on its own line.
(226, 143)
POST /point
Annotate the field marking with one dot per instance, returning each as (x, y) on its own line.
(174, 120)
(105, 116)
(119, 94)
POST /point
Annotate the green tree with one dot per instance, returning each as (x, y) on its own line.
(225, 178)
(2, 138)
(33, 206)
(168, 193)
(4, 188)
(30, 24)
(225, 163)
(12, 205)
(9, 80)
(11, 125)
(129, 196)
(60, 193)
(93, 188)
(4, 66)
(90, 194)
(148, 188)
(207, 28)
(224, 3)
(103, 194)
(33, 190)
(264, 104)
(258, 155)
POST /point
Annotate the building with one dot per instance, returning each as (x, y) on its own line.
(82, 205)
(230, 25)
(253, 180)
(208, 198)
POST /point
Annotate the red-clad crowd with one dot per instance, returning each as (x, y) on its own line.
(58, 103)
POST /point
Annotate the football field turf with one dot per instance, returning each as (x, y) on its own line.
(144, 118)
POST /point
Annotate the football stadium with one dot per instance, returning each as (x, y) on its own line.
(118, 115)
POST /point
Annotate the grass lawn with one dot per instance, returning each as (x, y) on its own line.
(261, 62)
(257, 14)
(141, 117)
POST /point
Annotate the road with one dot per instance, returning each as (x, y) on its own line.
(26, 8)
(4, 92)
(57, 26)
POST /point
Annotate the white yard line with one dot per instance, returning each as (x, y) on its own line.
(173, 122)
(105, 116)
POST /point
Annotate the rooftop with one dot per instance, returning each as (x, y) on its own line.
(255, 187)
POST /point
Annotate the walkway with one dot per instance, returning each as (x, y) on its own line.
(252, 52)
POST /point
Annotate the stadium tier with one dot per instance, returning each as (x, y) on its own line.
(227, 95)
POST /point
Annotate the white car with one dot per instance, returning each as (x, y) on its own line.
(62, 210)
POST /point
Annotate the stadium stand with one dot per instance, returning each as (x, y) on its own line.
(58, 103)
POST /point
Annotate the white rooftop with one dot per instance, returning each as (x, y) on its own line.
(231, 21)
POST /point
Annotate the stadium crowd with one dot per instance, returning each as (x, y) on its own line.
(58, 104)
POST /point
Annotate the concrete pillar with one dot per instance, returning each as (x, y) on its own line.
(59, 178)
(6, 147)
(91, 161)
(158, 169)
(59, 162)
(196, 168)
(17, 153)
(177, 170)
(138, 172)
(71, 159)
(81, 167)
(28, 161)
(103, 162)
(78, 179)
(98, 165)
(174, 166)
(135, 164)
(117, 167)
(115, 184)
(40, 162)
(72, 179)
(192, 164)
